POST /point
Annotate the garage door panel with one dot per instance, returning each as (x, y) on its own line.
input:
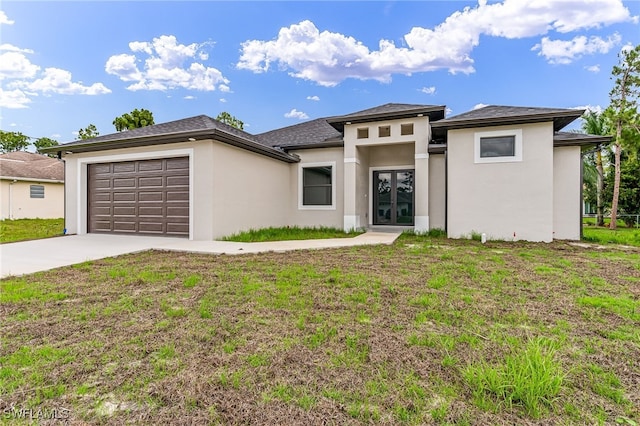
(150, 165)
(124, 210)
(124, 167)
(145, 182)
(177, 196)
(177, 181)
(178, 163)
(124, 196)
(151, 211)
(124, 183)
(146, 197)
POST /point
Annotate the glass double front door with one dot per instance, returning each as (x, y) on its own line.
(393, 197)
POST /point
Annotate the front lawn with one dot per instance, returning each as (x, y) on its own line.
(621, 235)
(288, 233)
(29, 229)
(425, 331)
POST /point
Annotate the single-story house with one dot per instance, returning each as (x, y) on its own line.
(508, 172)
(31, 186)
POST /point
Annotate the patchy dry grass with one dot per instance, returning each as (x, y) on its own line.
(426, 331)
(29, 229)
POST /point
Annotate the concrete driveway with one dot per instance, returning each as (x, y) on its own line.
(41, 255)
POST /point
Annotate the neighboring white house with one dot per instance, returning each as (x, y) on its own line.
(505, 171)
(31, 186)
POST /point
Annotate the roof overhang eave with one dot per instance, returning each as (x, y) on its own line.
(560, 120)
(172, 138)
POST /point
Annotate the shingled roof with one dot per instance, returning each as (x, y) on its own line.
(192, 128)
(27, 165)
(388, 112)
(317, 133)
(497, 115)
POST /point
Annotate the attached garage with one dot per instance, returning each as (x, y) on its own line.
(139, 197)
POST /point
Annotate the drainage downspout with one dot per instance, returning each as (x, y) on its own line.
(64, 192)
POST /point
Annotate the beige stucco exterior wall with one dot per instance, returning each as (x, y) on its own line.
(437, 191)
(566, 193)
(502, 199)
(201, 182)
(311, 216)
(249, 190)
(363, 156)
(16, 201)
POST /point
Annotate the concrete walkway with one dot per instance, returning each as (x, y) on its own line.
(41, 255)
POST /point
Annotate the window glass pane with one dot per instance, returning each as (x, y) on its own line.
(36, 191)
(317, 196)
(317, 186)
(317, 176)
(499, 146)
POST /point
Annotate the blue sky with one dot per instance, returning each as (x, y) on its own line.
(64, 65)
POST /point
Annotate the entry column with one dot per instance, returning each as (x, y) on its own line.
(421, 223)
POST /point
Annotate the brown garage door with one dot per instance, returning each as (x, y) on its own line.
(139, 197)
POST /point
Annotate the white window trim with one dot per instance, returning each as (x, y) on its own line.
(302, 166)
(517, 133)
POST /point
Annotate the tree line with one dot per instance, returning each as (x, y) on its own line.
(17, 141)
(612, 171)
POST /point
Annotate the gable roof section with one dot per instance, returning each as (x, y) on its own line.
(310, 134)
(192, 128)
(498, 115)
(388, 112)
(27, 165)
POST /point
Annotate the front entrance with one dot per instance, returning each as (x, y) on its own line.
(393, 197)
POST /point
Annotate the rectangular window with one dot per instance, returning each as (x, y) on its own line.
(316, 190)
(498, 146)
(363, 133)
(317, 186)
(384, 131)
(406, 129)
(36, 191)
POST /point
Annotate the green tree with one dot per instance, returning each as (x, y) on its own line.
(134, 120)
(89, 132)
(45, 143)
(596, 124)
(226, 118)
(13, 141)
(623, 112)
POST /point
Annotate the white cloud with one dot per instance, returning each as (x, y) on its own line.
(294, 113)
(6, 47)
(56, 135)
(593, 68)
(565, 52)
(313, 98)
(478, 106)
(189, 97)
(593, 108)
(428, 90)
(16, 65)
(224, 88)
(13, 99)
(169, 65)
(328, 58)
(223, 100)
(4, 19)
(56, 80)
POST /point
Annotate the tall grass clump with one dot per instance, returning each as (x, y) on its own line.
(530, 378)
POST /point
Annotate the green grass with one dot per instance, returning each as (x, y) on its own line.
(289, 233)
(424, 331)
(621, 235)
(29, 229)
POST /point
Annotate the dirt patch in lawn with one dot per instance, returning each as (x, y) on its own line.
(379, 334)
